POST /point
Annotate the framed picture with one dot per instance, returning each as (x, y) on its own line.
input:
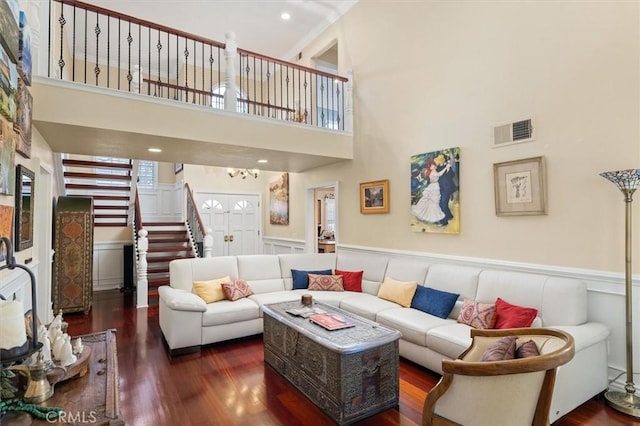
(23, 120)
(435, 192)
(178, 167)
(9, 28)
(374, 197)
(6, 225)
(520, 187)
(7, 157)
(279, 200)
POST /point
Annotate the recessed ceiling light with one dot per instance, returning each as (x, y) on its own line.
(154, 150)
(263, 161)
(285, 16)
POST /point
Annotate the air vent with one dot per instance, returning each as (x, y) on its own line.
(516, 132)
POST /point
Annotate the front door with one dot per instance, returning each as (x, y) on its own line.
(234, 220)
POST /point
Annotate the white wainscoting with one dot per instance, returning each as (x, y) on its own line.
(273, 245)
(16, 284)
(605, 297)
(108, 268)
(163, 204)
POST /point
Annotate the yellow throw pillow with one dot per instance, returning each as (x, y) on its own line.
(210, 291)
(400, 292)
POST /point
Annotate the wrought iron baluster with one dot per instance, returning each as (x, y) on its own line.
(159, 48)
(268, 90)
(210, 75)
(248, 70)
(186, 70)
(73, 48)
(62, 21)
(97, 31)
(108, 50)
(287, 81)
(129, 41)
(119, 51)
(338, 118)
(85, 46)
(255, 91)
(306, 113)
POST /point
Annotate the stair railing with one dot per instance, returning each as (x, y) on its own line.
(202, 238)
(141, 247)
(101, 47)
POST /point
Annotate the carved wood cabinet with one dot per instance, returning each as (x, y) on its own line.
(73, 258)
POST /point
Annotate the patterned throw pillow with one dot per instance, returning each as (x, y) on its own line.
(210, 291)
(503, 349)
(477, 315)
(237, 289)
(527, 349)
(325, 282)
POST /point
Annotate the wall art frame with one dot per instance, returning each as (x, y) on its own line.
(279, 200)
(178, 167)
(520, 187)
(374, 197)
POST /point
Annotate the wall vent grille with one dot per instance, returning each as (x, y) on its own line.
(518, 131)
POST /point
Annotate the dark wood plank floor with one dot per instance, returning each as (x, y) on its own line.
(229, 384)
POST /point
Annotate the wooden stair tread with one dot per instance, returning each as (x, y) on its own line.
(152, 233)
(168, 249)
(110, 216)
(145, 224)
(96, 164)
(110, 207)
(93, 176)
(162, 259)
(114, 224)
(111, 197)
(98, 187)
(168, 240)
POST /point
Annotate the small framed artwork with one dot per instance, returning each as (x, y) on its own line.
(374, 197)
(178, 167)
(520, 187)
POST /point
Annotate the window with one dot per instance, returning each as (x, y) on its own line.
(217, 99)
(147, 174)
(331, 214)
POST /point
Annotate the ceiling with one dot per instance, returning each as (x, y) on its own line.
(256, 23)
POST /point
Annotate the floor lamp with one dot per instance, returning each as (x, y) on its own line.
(626, 402)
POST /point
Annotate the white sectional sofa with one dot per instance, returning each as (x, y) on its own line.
(187, 322)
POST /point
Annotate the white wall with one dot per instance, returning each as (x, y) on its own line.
(431, 75)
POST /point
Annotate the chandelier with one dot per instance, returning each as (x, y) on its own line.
(243, 173)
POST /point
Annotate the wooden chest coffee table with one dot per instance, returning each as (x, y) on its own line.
(350, 373)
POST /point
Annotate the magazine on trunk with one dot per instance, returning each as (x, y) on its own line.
(305, 311)
(332, 321)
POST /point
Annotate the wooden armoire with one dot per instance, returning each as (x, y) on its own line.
(73, 258)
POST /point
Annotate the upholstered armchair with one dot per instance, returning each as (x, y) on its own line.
(505, 392)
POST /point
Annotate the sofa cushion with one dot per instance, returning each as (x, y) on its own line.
(501, 350)
(434, 302)
(183, 272)
(228, 312)
(351, 280)
(403, 269)
(325, 282)
(456, 279)
(274, 297)
(513, 316)
(301, 278)
(366, 305)
(236, 289)
(477, 315)
(211, 290)
(450, 340)
(412, 323)
(399, 292)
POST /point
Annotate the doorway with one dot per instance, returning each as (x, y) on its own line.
(322, 218)
(234, 220)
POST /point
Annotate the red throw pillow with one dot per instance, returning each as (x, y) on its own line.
(513, 316)
(351, 280)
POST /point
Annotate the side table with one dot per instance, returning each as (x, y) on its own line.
(91, 399)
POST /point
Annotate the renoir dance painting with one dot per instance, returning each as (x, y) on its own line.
(435, 199)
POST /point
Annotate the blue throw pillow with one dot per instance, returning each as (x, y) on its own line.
(301, 278)
(435, 302)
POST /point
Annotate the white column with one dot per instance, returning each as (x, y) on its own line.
(142, 295)
(348, 102)
(208, 243)
(230, 54)
(136, 80)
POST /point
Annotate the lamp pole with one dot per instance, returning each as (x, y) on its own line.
(626, 402)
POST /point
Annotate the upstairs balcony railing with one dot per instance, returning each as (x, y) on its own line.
(100, 47)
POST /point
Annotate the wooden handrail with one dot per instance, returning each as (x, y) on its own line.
(215, 95)
(142, 22)
(193, 201)
(292, 65)
(138, 214)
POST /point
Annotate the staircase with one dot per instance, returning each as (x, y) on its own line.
(107, 182)
(167, 241)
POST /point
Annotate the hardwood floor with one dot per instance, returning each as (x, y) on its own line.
(229, 384)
